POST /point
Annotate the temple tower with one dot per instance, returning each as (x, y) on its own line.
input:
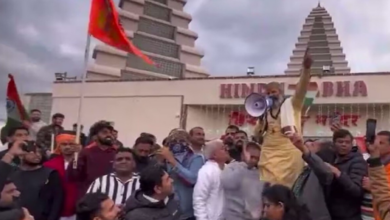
(160, 29)
(320, 35)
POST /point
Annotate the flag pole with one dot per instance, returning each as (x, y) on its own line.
(82, 89)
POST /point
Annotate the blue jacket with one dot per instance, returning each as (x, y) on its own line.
(184, 177)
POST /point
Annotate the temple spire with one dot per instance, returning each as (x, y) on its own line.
(320, 35)
(319, 4)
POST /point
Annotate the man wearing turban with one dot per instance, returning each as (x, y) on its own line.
(63, 154)
(280, 161)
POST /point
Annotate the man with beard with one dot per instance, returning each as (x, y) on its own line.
(44, 135)
(40, 187)
(242, 186)
(143, 148)
(240, 138)
(228, 138)
(64, 154)
(9, 207)
(35, 123)
(95, 160)
(280, 162)
(197, 138)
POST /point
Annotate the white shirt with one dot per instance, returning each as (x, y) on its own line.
(208, 197)
(66, 164)
(34, 128)
(153, 200)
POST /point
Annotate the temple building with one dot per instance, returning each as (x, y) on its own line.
(159, 28)
(319, 34)
(180, 93)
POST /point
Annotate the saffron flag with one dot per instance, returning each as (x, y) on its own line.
(104, 24)
(16, 113)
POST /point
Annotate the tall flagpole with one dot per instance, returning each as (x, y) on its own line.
(81, 100)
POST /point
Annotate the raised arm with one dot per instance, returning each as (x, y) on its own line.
(379, 182)
(321, 170)
(304, 80)
(379, 187)
(189, 174)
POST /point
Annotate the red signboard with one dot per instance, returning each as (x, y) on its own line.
(326, 89)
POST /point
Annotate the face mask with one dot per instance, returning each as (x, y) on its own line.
(179, 150)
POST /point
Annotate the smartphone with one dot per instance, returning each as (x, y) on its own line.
(335, 118)
(370, 130)
(29, 146)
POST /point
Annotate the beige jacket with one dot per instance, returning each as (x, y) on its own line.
(380, 191)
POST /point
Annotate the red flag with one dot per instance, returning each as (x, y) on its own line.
(104, 25)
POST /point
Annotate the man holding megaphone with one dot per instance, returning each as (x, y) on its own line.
(280, 118)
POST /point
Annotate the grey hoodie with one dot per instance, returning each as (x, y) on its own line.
(243, 188)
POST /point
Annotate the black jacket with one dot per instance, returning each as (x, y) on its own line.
(346, 191)
(139, 208)
(5, 170)
(41, 192)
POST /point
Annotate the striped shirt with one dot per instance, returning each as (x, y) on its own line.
(117, 190)
(367, 208)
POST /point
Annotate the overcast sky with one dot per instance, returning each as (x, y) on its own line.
(40, 37)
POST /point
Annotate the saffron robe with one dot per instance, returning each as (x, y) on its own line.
(280, 161)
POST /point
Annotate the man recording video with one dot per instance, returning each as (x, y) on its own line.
(9, 205)
(15, 134)
(182, 165)
(41, 190)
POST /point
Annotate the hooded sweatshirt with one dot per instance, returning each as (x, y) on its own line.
(140, 207)
(243, 188)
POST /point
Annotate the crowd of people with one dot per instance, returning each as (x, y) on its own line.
(97, 178)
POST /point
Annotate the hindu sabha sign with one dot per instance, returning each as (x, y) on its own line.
(325, 89)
